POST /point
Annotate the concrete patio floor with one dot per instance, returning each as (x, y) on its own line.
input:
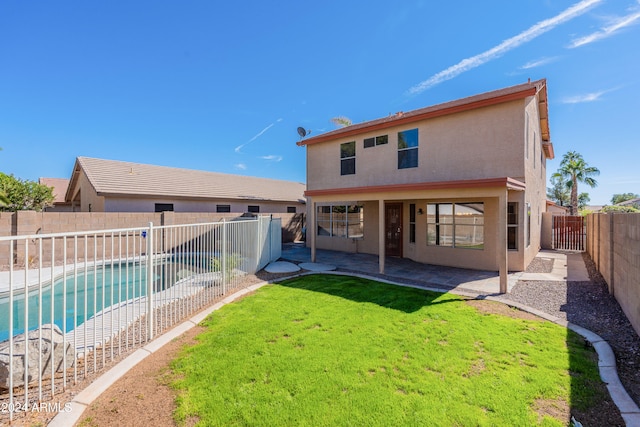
(566, 267)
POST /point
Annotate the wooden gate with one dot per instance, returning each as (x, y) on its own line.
(569, 233)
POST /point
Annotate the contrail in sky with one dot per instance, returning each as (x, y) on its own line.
(504, 47)
(607, 31)
(258, 135)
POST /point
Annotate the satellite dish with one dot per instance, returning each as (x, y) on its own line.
(302, 132)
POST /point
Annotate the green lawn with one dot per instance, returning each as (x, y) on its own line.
(337, 350)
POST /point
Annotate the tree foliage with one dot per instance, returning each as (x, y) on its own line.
(627, 209)
(619, 198)
(559, 192)
(341, 121)
(574, 169)
(23, 194)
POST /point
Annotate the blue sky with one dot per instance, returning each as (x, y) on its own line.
(222, 86)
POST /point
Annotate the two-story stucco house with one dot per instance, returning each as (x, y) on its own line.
(458, 184)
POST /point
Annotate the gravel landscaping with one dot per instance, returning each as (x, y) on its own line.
(588, 304)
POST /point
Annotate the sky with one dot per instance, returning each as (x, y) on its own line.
(223, 86)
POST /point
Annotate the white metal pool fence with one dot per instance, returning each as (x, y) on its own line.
(70, 303)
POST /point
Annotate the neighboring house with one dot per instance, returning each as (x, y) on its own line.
(99, 185)
(634, 203)
(59, 186)
(593, 208)
(557, 209)
(458, 184)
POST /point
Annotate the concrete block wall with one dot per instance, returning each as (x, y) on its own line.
(613, 243)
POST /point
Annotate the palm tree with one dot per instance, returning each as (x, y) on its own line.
(574, 169)
(341, 121)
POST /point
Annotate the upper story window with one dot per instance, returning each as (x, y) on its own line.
(348, 158)
(253, 208)
(223, 208)
(291, 209)
(378, 140)
(408, 149)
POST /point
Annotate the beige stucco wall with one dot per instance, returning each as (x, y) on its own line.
(137, 204)
(535, 177)
(483, 143)
(89, 199)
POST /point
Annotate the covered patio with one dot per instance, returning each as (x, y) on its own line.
(391, 226)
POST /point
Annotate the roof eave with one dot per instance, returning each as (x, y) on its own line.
(505, 182)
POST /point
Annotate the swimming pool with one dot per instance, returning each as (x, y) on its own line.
(83, 293)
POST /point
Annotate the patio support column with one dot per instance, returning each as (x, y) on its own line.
(501, 242)
(381, 240)
(312, 229)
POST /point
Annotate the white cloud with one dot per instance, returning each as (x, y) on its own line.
(587, 97)
(240, 166)
(538, 63)
(256, 136)
(616, 24)
(272, 157)
(504, 47)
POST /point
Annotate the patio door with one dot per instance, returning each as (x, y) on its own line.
(393, 229)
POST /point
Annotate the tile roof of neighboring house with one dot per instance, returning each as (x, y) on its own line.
(464, 104)
(116, 178)
(59, 185)
(629, 202)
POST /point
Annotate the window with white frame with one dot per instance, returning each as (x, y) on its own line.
(343, 220)
(348, 158)
(458, 225)
(408, 149)
(378, 140)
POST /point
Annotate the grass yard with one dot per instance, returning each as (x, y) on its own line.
(337, 350)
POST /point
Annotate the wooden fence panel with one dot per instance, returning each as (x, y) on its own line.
(569, 233)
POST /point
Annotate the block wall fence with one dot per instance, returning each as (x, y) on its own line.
(613, 243)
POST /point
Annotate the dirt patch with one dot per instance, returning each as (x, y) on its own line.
(556, 408)
(144, 393)
(492, 307)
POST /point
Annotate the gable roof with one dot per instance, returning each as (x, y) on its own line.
(520, 91)
(630, 202)
(117, 178)
(59, 186)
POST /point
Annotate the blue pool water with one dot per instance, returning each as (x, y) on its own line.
(86, 294)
